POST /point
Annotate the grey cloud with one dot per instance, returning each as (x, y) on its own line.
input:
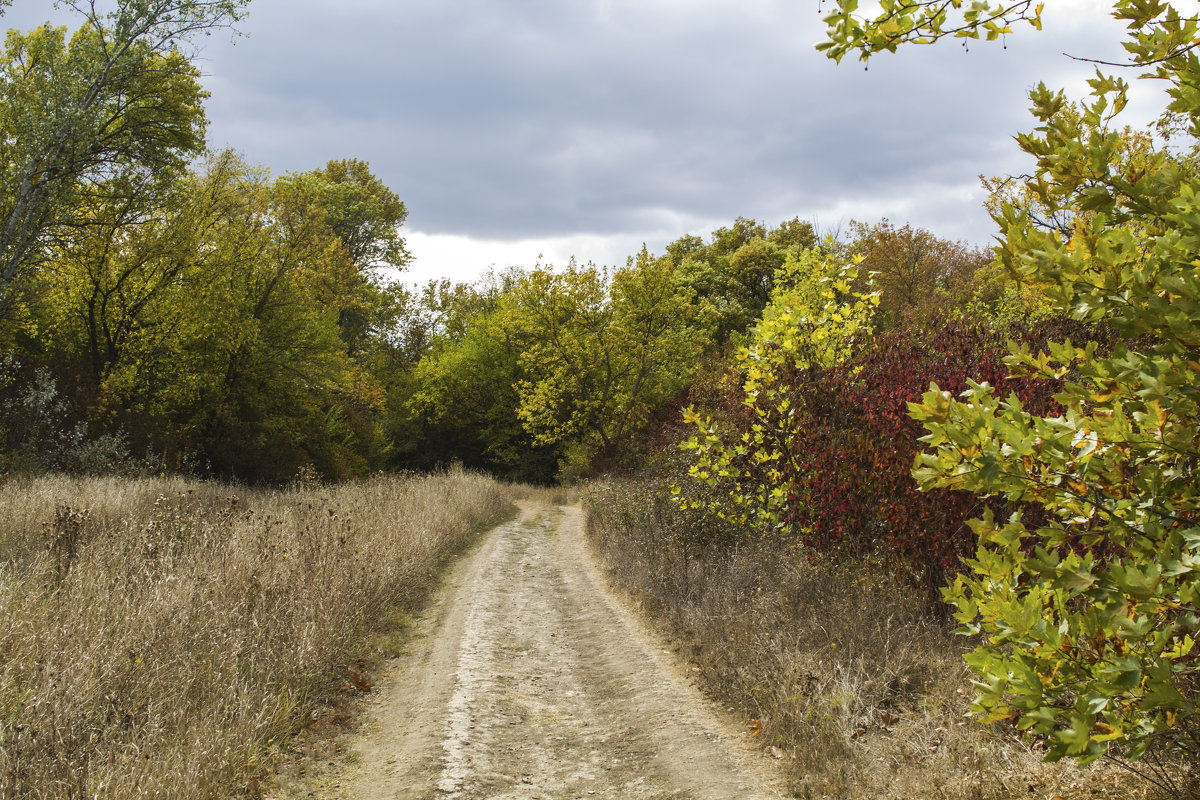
(511, 119)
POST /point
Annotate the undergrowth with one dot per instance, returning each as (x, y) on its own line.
(844, 674)
(161, 638)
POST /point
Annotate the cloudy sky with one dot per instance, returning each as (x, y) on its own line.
(519, 128)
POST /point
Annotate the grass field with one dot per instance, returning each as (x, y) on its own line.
(160, 638)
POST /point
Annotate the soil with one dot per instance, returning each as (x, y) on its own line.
(528, 679)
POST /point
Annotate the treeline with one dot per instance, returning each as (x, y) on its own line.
(168, 308)
(165, 307)
(546, 373)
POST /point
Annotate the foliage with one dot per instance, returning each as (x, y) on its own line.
(221, 316)
(917, 274)
(867, 467)
(599, 352)
(118, 98)
(731, 277)
(364, 217)
(820, 449)
(364, 214)
(814, 322)
(41, 434)
(1089, 619)
(463, 404)
(897, 22)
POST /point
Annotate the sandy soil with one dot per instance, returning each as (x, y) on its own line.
(527, 679)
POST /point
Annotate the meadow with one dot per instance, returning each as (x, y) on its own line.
(163, 637)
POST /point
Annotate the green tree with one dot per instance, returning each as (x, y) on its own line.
(119, 96)
(1088, 622)
(364, 214)
(731, 278)
(464, 403)
(600, 352)
(106, 279)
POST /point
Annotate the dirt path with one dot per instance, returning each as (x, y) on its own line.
(530, 681)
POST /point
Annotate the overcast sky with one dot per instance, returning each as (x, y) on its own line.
(513, 128)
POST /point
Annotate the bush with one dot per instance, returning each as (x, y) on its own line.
(823, 451)
(41, 435)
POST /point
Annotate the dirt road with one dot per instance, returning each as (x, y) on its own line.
(529, 680)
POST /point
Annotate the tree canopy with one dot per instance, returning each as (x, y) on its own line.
(117, 97)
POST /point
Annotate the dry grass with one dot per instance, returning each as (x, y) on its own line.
(845, 675)
(546, 495)
(160, 638)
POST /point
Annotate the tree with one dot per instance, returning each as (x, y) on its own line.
(731, 278)
(1089, 622)
(364, 214)
(120, 96)
(464, 401)
(106, 278)
(916, 273)
(600, 353)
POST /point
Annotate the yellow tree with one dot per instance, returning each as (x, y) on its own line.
(916, 273)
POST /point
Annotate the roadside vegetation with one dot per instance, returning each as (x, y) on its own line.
(164, 637)
(836, 668)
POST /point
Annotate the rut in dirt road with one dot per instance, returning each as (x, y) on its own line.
(531, 681)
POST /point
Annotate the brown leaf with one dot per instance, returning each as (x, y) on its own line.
(360, 681)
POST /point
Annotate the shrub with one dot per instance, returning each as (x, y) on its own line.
(819, 449)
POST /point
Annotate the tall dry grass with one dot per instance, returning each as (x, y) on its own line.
(546, 495)
(846, 676)
(160, 638)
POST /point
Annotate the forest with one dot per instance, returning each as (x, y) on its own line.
(1007, 434)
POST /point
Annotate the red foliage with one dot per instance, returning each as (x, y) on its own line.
(850, 478)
